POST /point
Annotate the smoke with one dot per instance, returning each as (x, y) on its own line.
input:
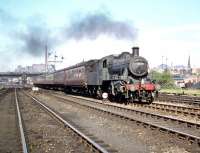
(31, 35)
(26, 36)
(34, 40)
(89, 26)
(93, 25)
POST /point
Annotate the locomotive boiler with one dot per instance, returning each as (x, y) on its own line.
(129, 64)
(121, 77)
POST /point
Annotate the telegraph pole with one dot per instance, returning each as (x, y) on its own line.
(46, 59)
(47, 54)
(55, 60)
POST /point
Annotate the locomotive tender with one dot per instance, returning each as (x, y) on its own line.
(118, 77)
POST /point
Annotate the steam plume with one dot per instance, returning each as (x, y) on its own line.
(35, 34)
(34, 39)
(93, 25)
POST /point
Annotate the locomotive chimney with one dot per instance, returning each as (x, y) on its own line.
(135, 51)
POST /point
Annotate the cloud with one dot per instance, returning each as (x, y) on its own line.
(77, 51)
(6, 18)
(174, 42)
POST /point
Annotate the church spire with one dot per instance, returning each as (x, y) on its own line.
(189, 65)
(189, 69)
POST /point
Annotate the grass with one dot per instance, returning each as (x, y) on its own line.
(195, 92)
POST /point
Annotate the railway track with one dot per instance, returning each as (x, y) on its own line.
(20, 125)
(191, 111)
(11, 128)
(93, 145)
(182, 129)
(179, 99)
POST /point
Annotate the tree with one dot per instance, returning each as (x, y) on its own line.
(164, 79)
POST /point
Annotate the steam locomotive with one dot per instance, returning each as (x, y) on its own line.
(122, 77)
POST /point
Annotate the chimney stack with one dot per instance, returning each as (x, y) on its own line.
(135, 51)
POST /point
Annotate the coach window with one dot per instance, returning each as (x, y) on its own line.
(105, 64)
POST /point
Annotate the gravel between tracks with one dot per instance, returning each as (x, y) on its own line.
(150, 110)
(187, 118)
(120, 135)
(44, 134)
(9, 134)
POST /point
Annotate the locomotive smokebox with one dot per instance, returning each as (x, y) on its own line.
(135, 51)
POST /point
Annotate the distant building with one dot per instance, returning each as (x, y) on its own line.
(196, 71)
(183, 76)
(178, 70)
(161, 68)
(179, 81)
(35, 68)
(191, 80)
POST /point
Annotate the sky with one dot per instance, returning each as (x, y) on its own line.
(167, 31)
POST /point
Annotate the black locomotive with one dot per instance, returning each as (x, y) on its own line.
(113, 77)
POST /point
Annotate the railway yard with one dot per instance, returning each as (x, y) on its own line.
(52, 121)
(101, 77)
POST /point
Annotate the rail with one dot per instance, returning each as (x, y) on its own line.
(188, 136)
(172, 108)
(23, 140)
(67, 124)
